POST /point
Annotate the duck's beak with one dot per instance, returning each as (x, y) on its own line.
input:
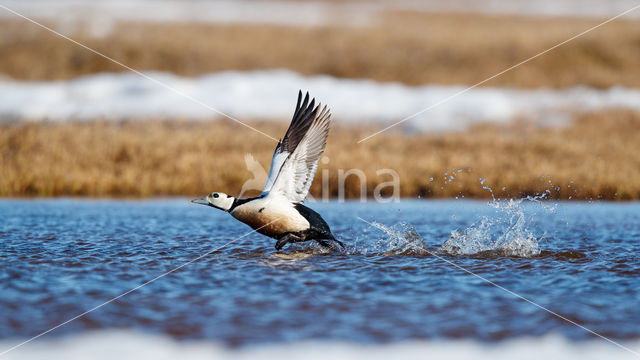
(201, 201)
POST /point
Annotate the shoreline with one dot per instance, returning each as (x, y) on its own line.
(132, 344)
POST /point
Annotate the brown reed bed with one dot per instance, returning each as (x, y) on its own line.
(407, 47)
(597, 157)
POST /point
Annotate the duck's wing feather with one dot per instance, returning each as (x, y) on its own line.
(303, 146)
(302, 119)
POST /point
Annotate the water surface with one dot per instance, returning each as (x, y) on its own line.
(61, 257)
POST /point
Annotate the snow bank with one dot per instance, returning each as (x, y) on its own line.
(260, 95)
(129, 345)
(101, 14)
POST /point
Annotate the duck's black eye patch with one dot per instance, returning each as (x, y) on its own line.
(215, 195)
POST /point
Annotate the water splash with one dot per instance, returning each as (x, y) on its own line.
(400, 239)
(505, 234)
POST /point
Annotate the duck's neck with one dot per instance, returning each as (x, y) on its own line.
(237, 202)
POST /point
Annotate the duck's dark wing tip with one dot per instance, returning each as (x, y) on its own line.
(304, 115)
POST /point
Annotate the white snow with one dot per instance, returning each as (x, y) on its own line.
(102, 13)
(121, 344)
(271, 95)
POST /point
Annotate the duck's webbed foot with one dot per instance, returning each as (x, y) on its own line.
(288, 238)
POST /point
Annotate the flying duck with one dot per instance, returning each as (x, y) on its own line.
(278, 211)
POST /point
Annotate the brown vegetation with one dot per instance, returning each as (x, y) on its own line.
(596, 157)
(405, 47)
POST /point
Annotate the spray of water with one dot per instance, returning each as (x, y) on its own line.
(400, 239)
(505, 233)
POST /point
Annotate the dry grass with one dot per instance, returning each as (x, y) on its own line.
(405, 47)
(596, 157)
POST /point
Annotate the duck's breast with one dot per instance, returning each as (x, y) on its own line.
(271, 217)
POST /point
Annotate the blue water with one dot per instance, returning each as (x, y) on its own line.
(59, 258)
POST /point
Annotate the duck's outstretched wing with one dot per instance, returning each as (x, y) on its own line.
(302, 119)
(295, 159)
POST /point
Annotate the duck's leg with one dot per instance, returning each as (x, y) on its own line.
(287, 238)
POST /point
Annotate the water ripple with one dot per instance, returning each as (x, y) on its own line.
(61, 257)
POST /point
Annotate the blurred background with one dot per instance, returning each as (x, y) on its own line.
(155, 98)
(74, 123)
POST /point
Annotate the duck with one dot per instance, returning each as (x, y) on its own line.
(278, 212)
